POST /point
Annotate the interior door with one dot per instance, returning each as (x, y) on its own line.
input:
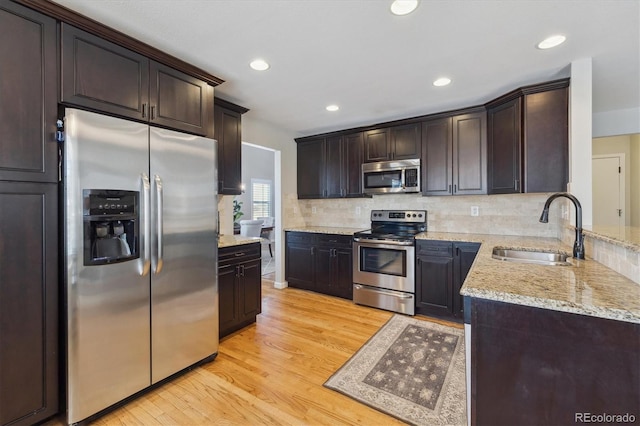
(184, 251)
(608, 196)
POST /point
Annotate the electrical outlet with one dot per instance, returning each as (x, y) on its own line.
(314, 210)
(358, 210)
(475, 211)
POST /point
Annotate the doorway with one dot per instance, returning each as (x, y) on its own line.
(609, 190)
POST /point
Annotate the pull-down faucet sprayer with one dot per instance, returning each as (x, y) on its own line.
(578, 245)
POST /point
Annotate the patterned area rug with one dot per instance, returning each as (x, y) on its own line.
(411, 369)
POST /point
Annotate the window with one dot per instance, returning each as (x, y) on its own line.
(260, 198)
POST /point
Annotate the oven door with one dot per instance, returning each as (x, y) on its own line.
(387, 265)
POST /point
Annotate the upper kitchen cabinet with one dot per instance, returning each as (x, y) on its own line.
(330, 167)
(106, 77)
(392, 143)
(311, 168)
(178, 100)
(454, 155)
(528, 139)
(227, 119)
(29, 87)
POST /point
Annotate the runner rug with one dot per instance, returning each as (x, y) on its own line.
(411, 369)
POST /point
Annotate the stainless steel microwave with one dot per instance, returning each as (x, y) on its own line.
(390, 177)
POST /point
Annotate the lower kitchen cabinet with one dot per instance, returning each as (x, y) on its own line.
(533, 366)
(239, 286)
(29, 352)
(320, 263)
(441, 268)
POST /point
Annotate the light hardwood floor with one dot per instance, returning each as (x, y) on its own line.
(270, 372)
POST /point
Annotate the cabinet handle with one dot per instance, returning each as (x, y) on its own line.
(242, 270)
(239, 254)
(455, 188)
(153, 109)
(450, 190)
(516, 185)
(313, 251)
(457, 251)
(144, 110)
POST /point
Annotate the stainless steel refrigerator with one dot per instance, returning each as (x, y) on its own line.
(140, 236)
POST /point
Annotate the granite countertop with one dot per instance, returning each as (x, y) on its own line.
(236, 240)
(586, 287)
(326, 230)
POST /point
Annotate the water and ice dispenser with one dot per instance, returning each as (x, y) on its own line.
(111, 226)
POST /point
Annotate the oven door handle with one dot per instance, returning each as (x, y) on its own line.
(392, 293)
(378, 243)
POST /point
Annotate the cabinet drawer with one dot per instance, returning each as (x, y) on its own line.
(335, 241)
(239, 253)
(434, 248)
(300, 238)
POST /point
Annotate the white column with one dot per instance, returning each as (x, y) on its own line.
(580, 139)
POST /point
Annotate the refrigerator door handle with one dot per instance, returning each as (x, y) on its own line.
(159, 202)
(145, 243)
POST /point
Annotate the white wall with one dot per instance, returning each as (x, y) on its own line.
(618, 122)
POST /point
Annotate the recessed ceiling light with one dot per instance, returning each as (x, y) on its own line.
(403, 7)
(442, 81)
(259, 65)
(332, 108)
(552, 41)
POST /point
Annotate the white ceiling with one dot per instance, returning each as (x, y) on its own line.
(377, 66)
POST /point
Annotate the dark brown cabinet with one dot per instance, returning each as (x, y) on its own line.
(320, 263)
(103, 76)
(28, 150)
(239, 287)
(29, 351)
(533, 366)
(528, 140)
(29, 347)
(228, 132)
(441, 268)
(454, 155)
(330, 167)
(392, 143)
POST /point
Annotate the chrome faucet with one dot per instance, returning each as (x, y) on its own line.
(578, 245)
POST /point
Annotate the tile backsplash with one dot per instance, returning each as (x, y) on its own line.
(515, 214)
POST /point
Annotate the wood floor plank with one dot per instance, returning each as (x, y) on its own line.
(271, 372)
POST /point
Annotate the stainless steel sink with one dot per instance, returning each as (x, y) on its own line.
(539, 257)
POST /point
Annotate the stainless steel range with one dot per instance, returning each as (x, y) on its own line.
(384, 260)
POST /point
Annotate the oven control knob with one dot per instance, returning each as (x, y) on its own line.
(420, 215)
(414, 215)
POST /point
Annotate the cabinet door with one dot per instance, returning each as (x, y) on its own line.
(376, 145)
(323, 267)
(28, 302)
(546, 141)
(311, 169)
(250, 290)
(343, 273)
(227, 131)
(29, 82)
(503, 148)
(333, 167)
(178, 100)
(434, 285)
(405, 141)
(352, 164)
(103, 76)
(470, 154)
(465, 254)
(436, 157)
(300, 260)
(228, 297)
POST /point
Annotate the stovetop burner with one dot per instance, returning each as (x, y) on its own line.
(395, 225)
